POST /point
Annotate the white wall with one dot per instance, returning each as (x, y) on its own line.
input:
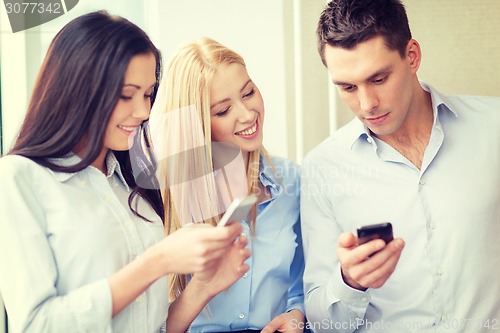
(276, 38)
(2, 316)
(254, 30)
(459, 41)
(22, 54)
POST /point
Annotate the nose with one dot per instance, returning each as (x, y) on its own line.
(368, 100)
(142, 109)
(245, 114)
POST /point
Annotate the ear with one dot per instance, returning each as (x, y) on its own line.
(413, 54)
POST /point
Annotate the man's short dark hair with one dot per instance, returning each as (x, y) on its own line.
(346, 23)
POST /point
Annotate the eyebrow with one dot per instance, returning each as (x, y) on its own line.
(381, 71)
(227, 99)
(136, 86)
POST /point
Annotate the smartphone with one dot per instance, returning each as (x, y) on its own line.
(238, 210)
(374, 231)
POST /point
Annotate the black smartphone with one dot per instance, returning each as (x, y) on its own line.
(374, 231)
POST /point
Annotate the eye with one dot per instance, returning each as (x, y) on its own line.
(126, 98)
(148, 93)
(249, 94)
(380, 80)
(348, 88)
(222, 113)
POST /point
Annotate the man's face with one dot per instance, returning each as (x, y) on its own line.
(375, 82)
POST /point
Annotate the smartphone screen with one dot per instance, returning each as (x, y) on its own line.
(238, 210)
(374, 231)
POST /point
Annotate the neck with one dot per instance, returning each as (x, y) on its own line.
(412, 138)
(100, 161)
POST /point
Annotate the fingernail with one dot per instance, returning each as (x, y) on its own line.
(399, 244)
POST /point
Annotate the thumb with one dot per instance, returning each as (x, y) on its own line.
(273, 326)
(347, 240)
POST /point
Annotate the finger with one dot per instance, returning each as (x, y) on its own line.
(356, 256)
(245, 254)
(347, 240)
(385, 262)
(243, 269)
(196, 225)
(273, 326)
(389, 266)
(227, 234)
(216, 252)
(242, 241)
(218, 238)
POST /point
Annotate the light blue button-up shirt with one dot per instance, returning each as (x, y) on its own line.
(273, 284)
(448, 213)
(61, 236)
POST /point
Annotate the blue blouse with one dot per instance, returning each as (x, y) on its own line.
(273, 284)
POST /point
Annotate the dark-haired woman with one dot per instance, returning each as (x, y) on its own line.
(82, 246)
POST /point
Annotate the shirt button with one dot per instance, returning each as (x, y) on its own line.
(241, 316)
(245, 275)
(443, 318)
(369, 139)
(364, 299)
(421, 182)
(139, 299)
(432, 225)
(440, 271)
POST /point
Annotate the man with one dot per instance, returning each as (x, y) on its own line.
(426, 162)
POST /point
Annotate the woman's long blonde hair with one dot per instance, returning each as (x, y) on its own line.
(185, 87)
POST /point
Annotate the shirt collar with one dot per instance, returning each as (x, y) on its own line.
(439, 101)
(113, 166)
(68, 160)
(268, 177)
(358, 131)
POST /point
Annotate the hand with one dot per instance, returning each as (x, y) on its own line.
(194, 249)
(362, 268)
(286, 322)
(226, 270)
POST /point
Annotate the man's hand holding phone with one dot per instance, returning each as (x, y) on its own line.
(369, 264)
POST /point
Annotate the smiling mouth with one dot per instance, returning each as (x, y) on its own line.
(128, 128)
(248, 131)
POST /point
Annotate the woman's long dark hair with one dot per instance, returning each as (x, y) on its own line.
(77, 89)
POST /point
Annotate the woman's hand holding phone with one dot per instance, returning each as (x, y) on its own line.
(238, 210)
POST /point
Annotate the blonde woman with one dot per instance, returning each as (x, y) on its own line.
(82, 243)
(208, 95)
